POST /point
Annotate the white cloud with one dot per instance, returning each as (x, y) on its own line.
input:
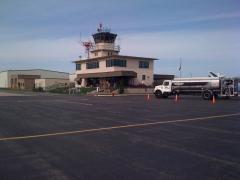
(212, 17)
(219, 44)
(64, 48)
(201, 51)
(55, 54)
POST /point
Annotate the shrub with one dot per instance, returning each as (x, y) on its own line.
(59, 90)
(85, 90)
(121, 87)
(39, 89)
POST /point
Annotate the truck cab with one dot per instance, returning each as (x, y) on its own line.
(163, 90)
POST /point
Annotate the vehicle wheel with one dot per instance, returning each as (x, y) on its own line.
(174, 93)
(158, 94)
(207, 95)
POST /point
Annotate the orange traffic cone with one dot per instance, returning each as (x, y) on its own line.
(176, 98)
(148, 97)
(213, 99)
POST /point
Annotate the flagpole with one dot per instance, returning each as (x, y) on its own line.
(180, 68)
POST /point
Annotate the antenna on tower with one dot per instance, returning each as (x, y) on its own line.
(100, 29)
(88, 45)
(80, 38)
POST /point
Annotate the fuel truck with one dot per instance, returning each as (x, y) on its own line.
(207, 87)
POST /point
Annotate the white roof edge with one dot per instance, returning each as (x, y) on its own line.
(33, 70)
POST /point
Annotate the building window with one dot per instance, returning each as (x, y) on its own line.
(92, 65)
(143, 77)
(96, 54)
(144, 64)
(78, 66)
(116, 63)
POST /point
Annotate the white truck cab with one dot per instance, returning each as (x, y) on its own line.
(163, 90)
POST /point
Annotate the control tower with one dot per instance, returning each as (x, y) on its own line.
(104, 43)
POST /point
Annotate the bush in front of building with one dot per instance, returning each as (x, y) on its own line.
(39, 89)
(85, 90)
(77, 91)
(121, 87)
(141, 86)
(4, 89)
(59, 90)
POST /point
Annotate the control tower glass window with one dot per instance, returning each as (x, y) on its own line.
(104, 37)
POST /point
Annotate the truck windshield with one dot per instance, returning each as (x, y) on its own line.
(166, 83)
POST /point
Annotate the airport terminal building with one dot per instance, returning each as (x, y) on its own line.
(106, 69)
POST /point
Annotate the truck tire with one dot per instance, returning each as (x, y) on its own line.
(174, 92)
(207, 95)
(158, 94)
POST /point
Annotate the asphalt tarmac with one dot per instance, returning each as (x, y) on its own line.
(125, 138)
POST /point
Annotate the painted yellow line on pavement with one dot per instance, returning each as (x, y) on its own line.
(115, 127)
(60, 101)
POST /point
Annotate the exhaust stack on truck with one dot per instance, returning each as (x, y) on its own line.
(215, 85)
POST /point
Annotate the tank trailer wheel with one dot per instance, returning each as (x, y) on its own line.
(174, 92)
(207, 95)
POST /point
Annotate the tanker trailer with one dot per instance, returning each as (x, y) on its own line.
(207, 87)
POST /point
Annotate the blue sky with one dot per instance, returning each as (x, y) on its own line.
(45, 34)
